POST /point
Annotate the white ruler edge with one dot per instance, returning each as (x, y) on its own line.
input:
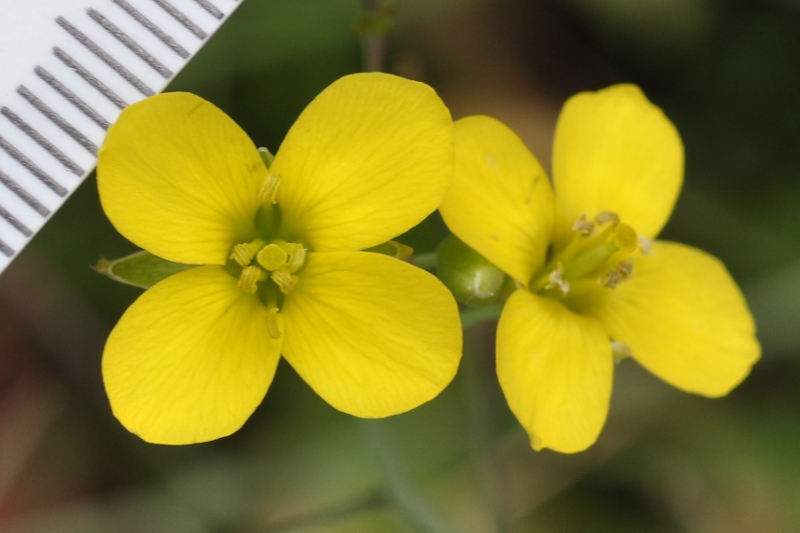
(67, 69)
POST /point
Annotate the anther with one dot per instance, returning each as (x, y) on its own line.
(606, 216)
(269, 190)
(243, 253)
(583, 227)
(622, 272)
(297, 257)
(249, 278)
(273, 326)
(556, 278)
(284, 279)
(272, 257)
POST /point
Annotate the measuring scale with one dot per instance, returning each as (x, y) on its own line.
(67, 70)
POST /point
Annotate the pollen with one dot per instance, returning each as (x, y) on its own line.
(583, 227)
(269, 191)
(243, 253)
(605, 217)
(273, 324)
(284, 279)
(622, 272)
(297, 256)
(556, 279)
(249, 278)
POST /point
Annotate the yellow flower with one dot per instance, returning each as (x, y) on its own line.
(281, 270)
(592, 284)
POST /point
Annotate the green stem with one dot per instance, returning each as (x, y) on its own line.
(475, 315)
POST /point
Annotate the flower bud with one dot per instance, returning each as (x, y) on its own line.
(470, 277)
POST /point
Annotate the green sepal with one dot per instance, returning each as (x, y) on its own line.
(471, 278)
(140, 269)
(393, 249)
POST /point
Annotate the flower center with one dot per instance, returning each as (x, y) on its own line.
(599, 255)
(269, 267)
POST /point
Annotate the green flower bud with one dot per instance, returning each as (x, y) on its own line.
(140, 269)
(470, 277)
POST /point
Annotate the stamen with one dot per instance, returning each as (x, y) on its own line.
(250, 276)
(606, 216)
(622, 272)
(645, 244)
(297, 256)
(284, 279)
(272, 257)
(243, 253)
(556, 278)
(273, 324)
(625, 238)
(269, 190)
(583, 227)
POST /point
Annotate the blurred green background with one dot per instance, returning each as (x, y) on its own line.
(727, 72)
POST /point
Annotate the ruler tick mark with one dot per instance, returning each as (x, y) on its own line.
(72, 98)
(89, 78)
(105, 57)
(210, 8)
(129, 43)
(24, 195)
(6, 249)
(41, 141)
(15, 222)
(58, 120)
(152, 28)
(183, 19)
(31, 167)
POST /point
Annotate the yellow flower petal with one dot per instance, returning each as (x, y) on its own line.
(501, 203)
(369, 158)
(684, 319)
(615, 151)
(190, 360)
(556, 370)
(372, 335)
(180, 179)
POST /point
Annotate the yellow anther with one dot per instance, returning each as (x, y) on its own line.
(625, 238)
(284, 279)
(297, 256)
(269, 190)
(249, 278)
(272, 257)
(583, 227)
(622, 272)
(273, 323)
(606, 216)
(243, 253)
(556, 279)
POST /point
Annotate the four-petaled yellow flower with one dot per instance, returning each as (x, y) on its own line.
(592, 284)
(281, 271)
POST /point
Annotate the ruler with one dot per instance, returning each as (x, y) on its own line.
(67, 70)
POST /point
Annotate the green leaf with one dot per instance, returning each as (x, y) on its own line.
(140, 269)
